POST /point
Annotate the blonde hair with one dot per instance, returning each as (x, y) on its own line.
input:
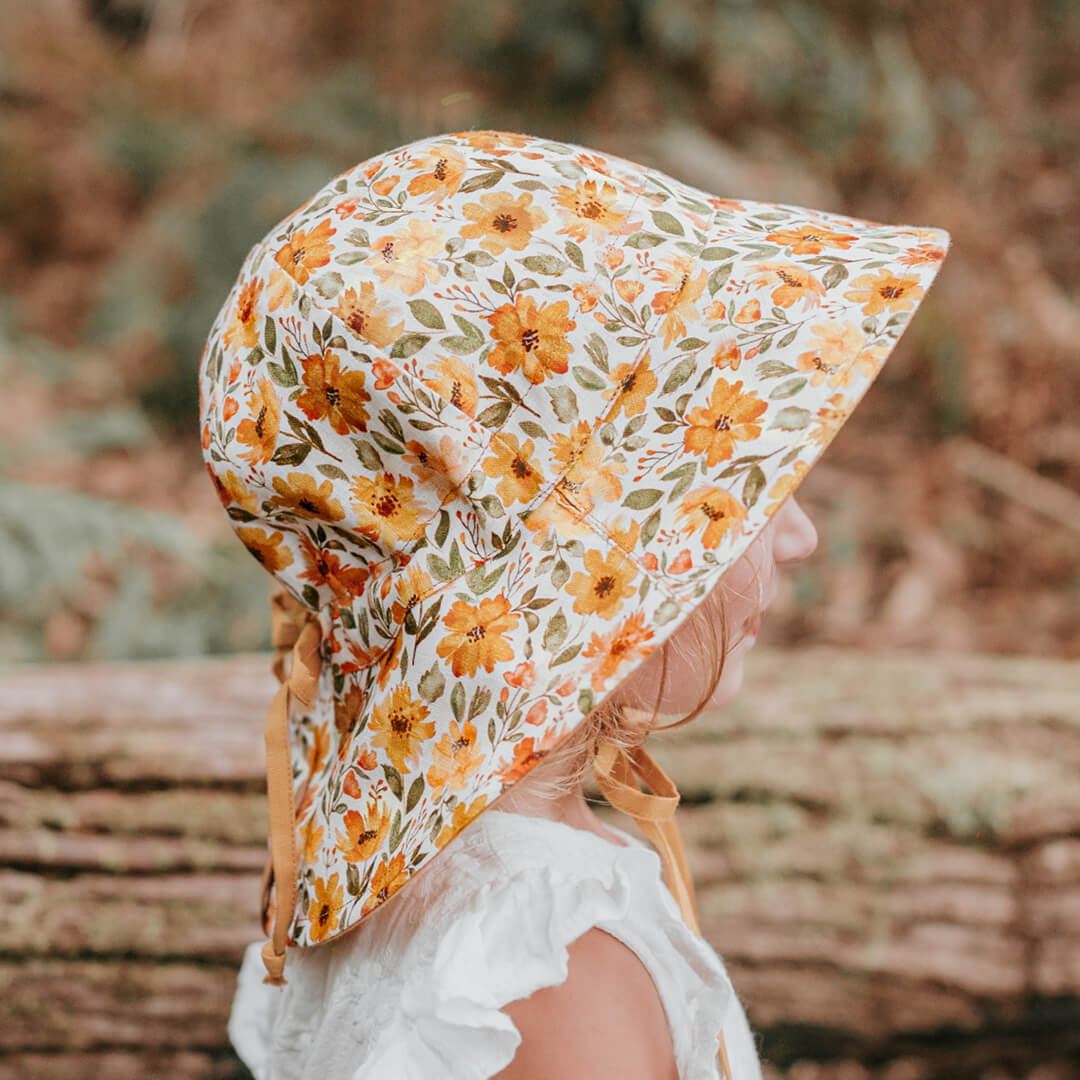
(567, 764)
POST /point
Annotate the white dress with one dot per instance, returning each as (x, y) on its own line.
(415, 991)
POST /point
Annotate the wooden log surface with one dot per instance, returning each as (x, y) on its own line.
(886, 851)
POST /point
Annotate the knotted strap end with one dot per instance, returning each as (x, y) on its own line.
(275, 965)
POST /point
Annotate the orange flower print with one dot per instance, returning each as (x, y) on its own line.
(260, 430)
(589, 472)
(712, 511)
(589, 211)
(784, 486)
(332, 394)
(385, 372)
(522, 676)
(412, 587)
(792, 285)
(531, 338)
(626, 644)
(440, 171)
(230, 409)
(279, 290)
(537, 713)
(401, 726)
(318, 750)
(924, 253)
(454, 759)
(629, 290)
(750, 312)
(232, 491)
(588, 296)
(633, 383)
(387, 879)
(829, 418)
(346, 713)
(306, 251)
(454, 381)
(677, 303)
(563, 510)
(243, 328)
(303, 494)
(727, 356)
(403, 261)
(461, 817)
(811, 239)
(494, 142)
(323, 567)
(367, 319)
(312, 840)
(502, 221)
(364, 832)
(476, 635)
(730, 417)
(884, 291)
(526, 755)
(268, 548)
(323, 910)
(385, 510)
(838, 353)
(517, 470)
(608, 581)
(385, 185)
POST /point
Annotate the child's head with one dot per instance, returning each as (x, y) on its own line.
(517, 426)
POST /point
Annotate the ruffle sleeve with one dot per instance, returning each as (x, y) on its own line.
(511, 940)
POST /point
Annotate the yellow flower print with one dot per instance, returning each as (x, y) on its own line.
(440, 169)
(260, 430)
(503, 221)
(884, 291)
(366, 318)
(385, 510)
(461, 817)
(531, 338)
(513, 463)
(387, 879)
(633, 383)
(454, 381)
(730, 417)
(784, 486)
(303, 494)
(268, 548)
(402, 261)
(364, 832)
(626, 644)
(588, 210)
(454, 759)
(476, 635)
(677, 304)
(811, 239)
(323, 910)
(608, 581)
(232, 491)
(712, 511)
(243, 328)
(332, 394)
(401, 726)
(306, 251)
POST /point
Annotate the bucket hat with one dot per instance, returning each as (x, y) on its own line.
(497, 412)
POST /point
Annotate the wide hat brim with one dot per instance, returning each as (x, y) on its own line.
(499, 412)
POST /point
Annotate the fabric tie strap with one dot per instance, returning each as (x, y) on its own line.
(294, 629)
(617, 771)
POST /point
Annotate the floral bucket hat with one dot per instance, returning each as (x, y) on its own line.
(497, 412)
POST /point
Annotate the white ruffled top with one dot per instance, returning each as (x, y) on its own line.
(415, 991)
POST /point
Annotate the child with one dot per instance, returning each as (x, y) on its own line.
(517, 425)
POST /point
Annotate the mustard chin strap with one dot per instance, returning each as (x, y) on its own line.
(293, 629)
(617, 772)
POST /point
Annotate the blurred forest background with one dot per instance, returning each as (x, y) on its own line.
(145, 145)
